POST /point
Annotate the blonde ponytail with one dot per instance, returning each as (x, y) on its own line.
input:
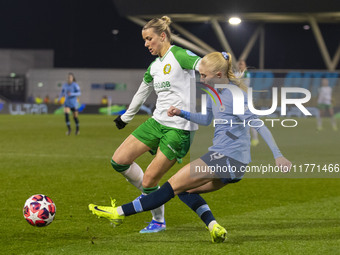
(222, 62)
(167, 20)
(160, 25)
(231, 76)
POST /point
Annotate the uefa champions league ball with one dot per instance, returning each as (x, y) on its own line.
(39, 210)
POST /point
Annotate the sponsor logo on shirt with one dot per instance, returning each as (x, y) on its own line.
(167, 69)
(162, 85)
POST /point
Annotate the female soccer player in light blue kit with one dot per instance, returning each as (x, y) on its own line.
(231, 148)
(71, 92)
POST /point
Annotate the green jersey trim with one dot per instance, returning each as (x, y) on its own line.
(162, 58)
(185, 58)
(147, 75)
(195, 64)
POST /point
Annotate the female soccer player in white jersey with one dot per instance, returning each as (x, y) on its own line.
(325, 103)
(231, 148)
(172, 76)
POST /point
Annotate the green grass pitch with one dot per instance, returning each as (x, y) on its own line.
(262, 215)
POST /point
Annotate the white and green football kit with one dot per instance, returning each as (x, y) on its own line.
(173, 79)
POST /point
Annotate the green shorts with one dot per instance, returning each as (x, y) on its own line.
(173, 142)
(324, 106)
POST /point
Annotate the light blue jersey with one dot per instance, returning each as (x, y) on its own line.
(232, 140)
(70, 92)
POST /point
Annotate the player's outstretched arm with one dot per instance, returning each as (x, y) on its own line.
(201, 119)
(138, 99)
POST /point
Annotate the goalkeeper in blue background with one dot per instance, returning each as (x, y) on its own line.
(71, 92)
(231, 150)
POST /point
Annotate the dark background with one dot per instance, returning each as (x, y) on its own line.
(80, 33)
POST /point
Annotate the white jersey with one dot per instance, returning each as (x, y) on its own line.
(173, 79)
(325, 95)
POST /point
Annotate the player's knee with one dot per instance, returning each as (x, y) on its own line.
(119, 167)
(150, 180)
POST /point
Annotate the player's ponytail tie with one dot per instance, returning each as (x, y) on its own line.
(225, 55)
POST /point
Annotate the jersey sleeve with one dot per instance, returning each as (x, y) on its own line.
(186, 58)
(139, 98)
(147, 79)
(198, 118)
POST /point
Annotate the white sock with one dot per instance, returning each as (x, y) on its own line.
(211, 225)
(134, 174)
(158, 214)
(120, 211)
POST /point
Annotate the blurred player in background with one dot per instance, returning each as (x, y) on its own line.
(71, 92)
(170, 75)
(242, 73)
(325, 103)
(230, 149)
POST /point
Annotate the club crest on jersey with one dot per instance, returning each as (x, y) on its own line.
(167, 69)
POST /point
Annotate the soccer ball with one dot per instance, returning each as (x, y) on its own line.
(39, 210)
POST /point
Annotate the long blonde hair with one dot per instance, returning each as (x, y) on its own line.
(222, 62)
(159, 26)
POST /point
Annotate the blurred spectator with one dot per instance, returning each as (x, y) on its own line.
(38, 100)
(104, 100)
(47, 99)
(56, 100)
(30, 99)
